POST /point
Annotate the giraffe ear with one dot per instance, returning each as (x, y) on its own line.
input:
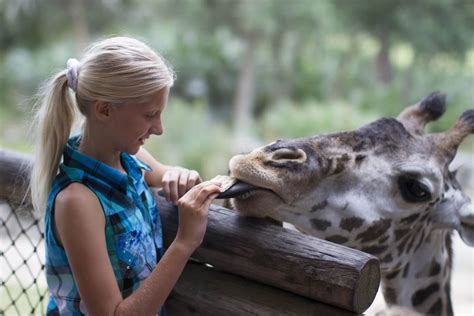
(430, 108)
(466, 228)
(449, 141)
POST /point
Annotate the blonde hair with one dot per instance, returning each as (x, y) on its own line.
(118, 70)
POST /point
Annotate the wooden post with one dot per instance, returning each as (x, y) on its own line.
(257, 249)
(14, 176)
(205, 291)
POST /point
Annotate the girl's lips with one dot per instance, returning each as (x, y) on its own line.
(143, 139)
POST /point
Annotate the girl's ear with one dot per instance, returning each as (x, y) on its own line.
(102, 110)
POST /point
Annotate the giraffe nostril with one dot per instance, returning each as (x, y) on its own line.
(289, 154)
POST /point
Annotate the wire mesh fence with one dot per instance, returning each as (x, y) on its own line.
(23, 288)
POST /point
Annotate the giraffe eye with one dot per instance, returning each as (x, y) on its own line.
(412, 190)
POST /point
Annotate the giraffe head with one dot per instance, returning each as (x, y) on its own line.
(369, 188)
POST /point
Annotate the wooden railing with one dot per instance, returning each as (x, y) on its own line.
(245, 265)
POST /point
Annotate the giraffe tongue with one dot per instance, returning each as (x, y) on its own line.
(237, 189)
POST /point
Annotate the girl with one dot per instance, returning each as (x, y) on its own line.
(104, 250)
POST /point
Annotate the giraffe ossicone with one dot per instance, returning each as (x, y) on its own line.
(385, 188)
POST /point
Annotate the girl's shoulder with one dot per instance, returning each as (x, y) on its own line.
(77, 197)
(76, 205)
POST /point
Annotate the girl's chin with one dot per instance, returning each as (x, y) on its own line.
(133, 148)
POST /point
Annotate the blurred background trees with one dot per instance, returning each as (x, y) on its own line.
(250, 71)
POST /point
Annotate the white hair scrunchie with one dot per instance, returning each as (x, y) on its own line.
(71, 74)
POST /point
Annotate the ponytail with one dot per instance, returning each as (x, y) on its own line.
(55, 117)
(118, 70)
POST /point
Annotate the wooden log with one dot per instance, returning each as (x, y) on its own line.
(262, 251)
(258, 250)
(205, 291)
(14, 176)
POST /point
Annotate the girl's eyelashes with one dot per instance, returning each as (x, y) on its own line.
(151, 115)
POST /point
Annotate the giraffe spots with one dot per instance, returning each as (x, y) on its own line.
(410, 219)
(422, 295)
(436, 308)
(324, 164)
(341, 163)
(435, 268)
(375, 230)
(320, 224)
(449, 243)
(399, 233)
(401, 246)
(383, 239)
(434, 203)
(387, 258)
(398, 266)
(410, 244)
(350, 223)
(425, 217)
(449, 305)
(446, 270)
(422, 238)
(338, 239)
(405, 270)
(359, 159)
(392, 275)
(319, 206)
(390, 295)
(374, 250)
(360, 146)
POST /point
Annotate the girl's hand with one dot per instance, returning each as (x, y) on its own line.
(177, 181)
(193, 210)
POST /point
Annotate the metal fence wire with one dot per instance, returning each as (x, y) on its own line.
(23, 288)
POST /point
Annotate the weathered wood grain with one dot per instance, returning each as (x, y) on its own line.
(206, 291)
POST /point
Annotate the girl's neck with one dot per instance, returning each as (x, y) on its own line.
(98, 148)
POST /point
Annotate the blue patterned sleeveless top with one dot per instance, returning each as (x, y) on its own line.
(132, 231)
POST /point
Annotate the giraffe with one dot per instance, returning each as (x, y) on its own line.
(384, 188)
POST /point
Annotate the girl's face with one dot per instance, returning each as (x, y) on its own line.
(132, 124)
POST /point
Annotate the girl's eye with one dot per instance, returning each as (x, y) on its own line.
(150, 115)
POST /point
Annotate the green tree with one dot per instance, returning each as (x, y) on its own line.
(440, 26)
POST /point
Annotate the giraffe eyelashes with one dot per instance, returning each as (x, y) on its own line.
(412, 190)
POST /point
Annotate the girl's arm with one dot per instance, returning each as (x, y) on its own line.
(79, 226)
(154, 177)
(175, 181)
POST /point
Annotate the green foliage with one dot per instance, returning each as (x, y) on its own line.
(313, 60)
(428, 25)
(290, 120)
(192, 139)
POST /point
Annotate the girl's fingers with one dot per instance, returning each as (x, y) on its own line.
(207, 191)
(187, 180)
(208, 201)
(170, 185)
(178, 181)
(199, 193)
(183, 183)
(193, 180)
(195, 176)
(166, 189)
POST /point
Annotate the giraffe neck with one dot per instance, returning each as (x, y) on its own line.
(423, 282)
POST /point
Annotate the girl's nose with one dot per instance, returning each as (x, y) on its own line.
(157, 127)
